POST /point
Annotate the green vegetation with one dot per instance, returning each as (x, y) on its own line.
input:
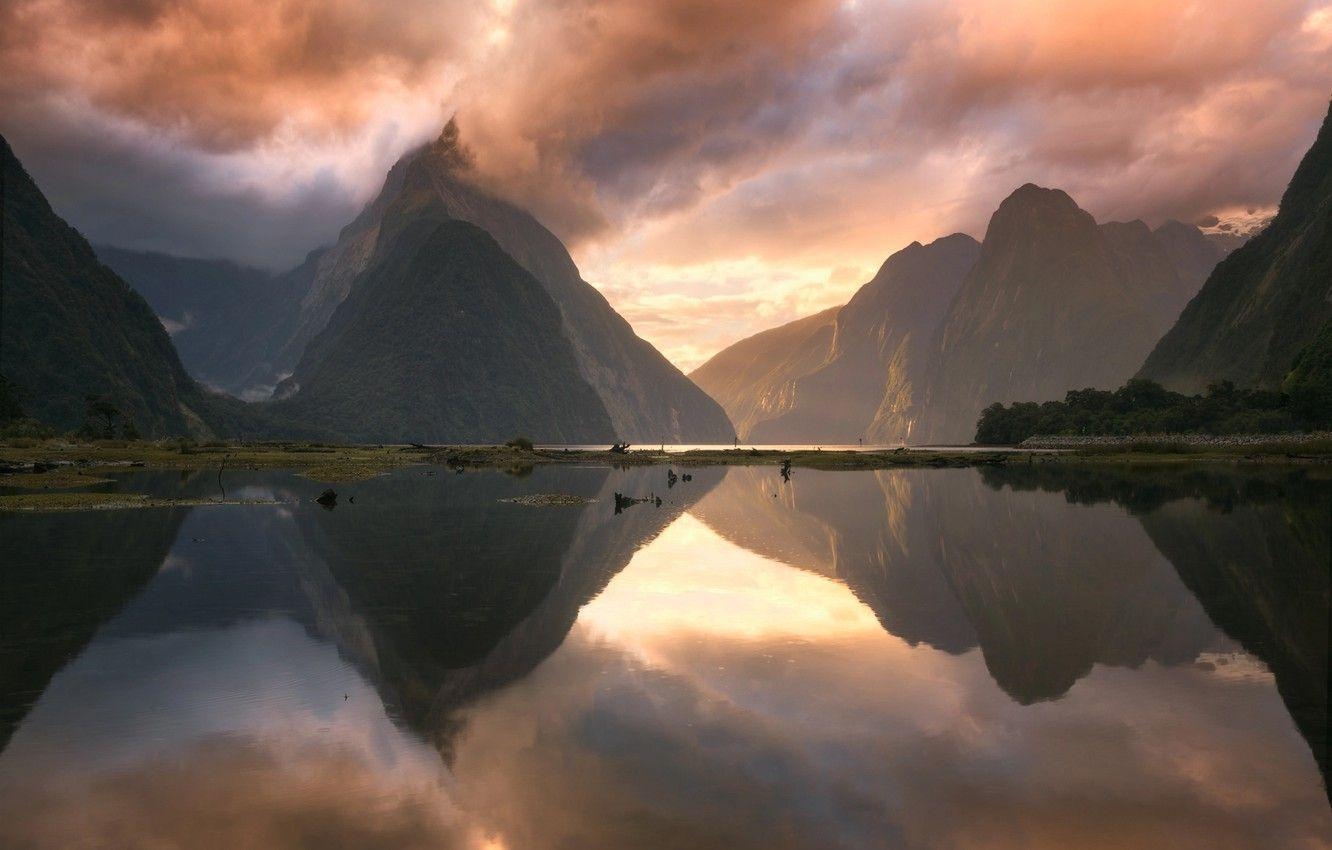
(1139, 407)
(1145, 407)
(70, 328)
(523, 444)
(1309, 384)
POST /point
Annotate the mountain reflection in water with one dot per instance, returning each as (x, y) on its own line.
(1014, 658)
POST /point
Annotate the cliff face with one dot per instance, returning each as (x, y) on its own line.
(1267, 300)
(647, 399)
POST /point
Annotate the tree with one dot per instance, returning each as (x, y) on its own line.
(99, 419)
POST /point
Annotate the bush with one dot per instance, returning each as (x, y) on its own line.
(523, 444)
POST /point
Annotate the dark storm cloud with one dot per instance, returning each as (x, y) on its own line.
(121, 194)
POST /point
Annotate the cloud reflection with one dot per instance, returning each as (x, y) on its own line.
(763, 725)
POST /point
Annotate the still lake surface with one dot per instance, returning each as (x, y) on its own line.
(1010, 657)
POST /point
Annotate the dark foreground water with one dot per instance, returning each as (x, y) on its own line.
(936, 658)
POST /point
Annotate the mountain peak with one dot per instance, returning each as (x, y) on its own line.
(448, 147)
(1029, 195)
(1033, 210)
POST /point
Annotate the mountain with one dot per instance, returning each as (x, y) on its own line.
(445, 338)
(1267, 300)
(1055, 302)
(70, 328)
(858, 374)
(222, 317)
(872, 384)
(647, 399)
(1051, 301)
(754, 379)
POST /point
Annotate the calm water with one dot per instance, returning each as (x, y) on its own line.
(933, 658)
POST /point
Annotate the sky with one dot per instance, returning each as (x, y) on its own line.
(715, 168)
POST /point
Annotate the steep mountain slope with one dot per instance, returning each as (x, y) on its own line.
(69, 328)
(754, 378)
(444, 338)
(1264, 302)
(222, 317)
(872, 384)
(1055, 302)
(648, 399)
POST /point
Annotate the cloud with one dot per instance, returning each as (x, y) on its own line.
(653, 135)
(224, 75)
(252, 130)
(175, 326)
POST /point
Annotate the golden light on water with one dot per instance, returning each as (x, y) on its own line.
(690, 582)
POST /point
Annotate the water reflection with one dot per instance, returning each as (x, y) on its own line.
(754, 663)
(1254, 548)
(64, 575)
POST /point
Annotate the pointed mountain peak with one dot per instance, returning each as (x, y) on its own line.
(448, 149)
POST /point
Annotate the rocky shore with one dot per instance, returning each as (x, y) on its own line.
(1316, 439)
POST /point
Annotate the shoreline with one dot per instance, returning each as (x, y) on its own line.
(33, 462)
(52, 476)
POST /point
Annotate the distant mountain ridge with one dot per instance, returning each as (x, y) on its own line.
(222, 317)
(1050, 301)
(1266, 301)
(861, 374)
